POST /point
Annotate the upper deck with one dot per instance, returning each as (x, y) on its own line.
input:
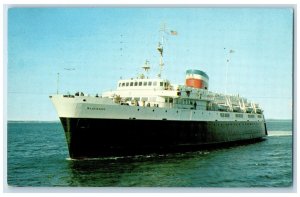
(161, 93)
(143, 84)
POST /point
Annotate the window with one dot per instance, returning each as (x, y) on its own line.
(149, 83)
(239, 115)
(145, 83)
(154, 83)
(119, 84)
(258, 116)
(161, 83)
(224, 115)
(131, 83)
(127, 84)
(123, 84)
(135, 83)
(140, 83)
(250, 116)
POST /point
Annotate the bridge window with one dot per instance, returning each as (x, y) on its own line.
(123, 84)
(150, 83)
(161, 83)
(119, 84)
(135, 83)
(140, 83)
(131, 83)
(127, 83)
(145, 83)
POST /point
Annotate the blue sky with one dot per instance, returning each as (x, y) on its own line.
(104, 44)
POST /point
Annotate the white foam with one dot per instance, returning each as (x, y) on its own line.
(280, 133)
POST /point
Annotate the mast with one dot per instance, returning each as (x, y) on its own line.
(227, 65)
(161, 61)
(160, 47)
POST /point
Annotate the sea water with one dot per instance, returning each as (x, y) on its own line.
(37, 156)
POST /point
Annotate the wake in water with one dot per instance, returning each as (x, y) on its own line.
(280, 133)
(137, 157)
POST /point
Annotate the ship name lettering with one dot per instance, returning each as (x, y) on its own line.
(95, 108)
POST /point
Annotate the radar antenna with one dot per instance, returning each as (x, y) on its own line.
(146, 68)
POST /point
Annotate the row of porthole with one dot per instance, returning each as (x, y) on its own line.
(236, 124)
(167, 111)
(176, 112)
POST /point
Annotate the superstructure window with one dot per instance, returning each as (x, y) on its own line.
(239, 115)
(123, 84)
(250, 116)
(131, 83)
(140, 83)
(127, 83)
(224, 115)
(145, 83)
(119, 84)
(135, 83)
(161, 83)
(150, 83)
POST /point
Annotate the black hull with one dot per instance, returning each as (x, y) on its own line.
(91, 138)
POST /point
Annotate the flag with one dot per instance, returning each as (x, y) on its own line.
(174, 33)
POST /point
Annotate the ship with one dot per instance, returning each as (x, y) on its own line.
(145, 115)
